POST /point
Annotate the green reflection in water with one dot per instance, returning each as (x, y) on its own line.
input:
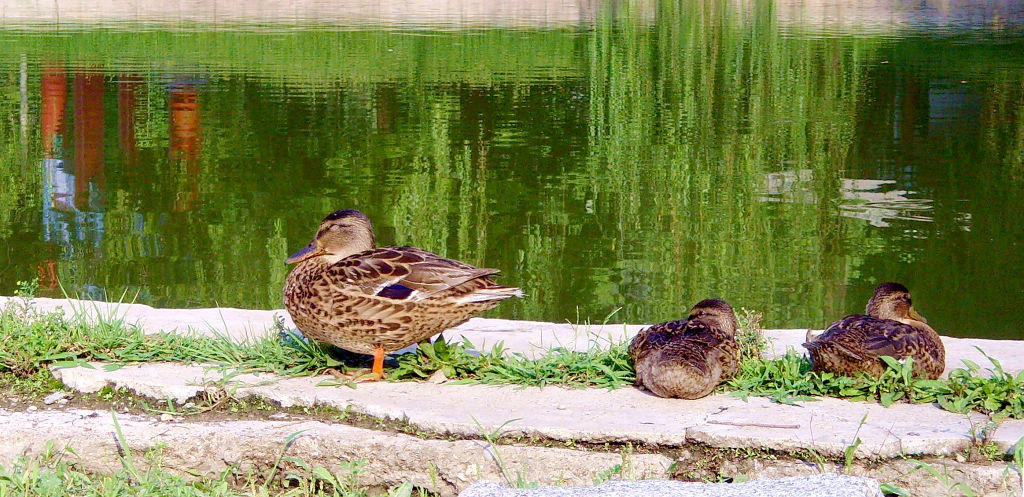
(645, 161)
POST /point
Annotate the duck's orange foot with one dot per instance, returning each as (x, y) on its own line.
(357, 376)
(367, 377)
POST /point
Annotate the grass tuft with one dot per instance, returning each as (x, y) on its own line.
(602, 368)
(35, 340)
(750, 335)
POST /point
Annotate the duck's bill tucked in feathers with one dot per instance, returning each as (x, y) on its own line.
(307, 252)
(687, 358)
(891, 328)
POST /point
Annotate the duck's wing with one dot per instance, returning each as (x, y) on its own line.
(893, 338)
(655, 337)
(401, 273)
(703, 333)
(862, 336)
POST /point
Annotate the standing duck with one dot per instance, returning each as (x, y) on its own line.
(688, 358)
(349, 293)
(891, 328)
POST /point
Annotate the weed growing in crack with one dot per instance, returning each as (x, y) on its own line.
(944, 478)
(608, 474)
(981, 444)
(890, 489)
(491, 437)
(851, 449)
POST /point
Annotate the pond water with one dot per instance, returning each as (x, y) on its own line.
(786, 156)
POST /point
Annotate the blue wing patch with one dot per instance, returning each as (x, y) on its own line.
(396, 291)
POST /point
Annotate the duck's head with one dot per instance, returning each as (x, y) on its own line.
(892, 301)
(341, 234)
(715, 312)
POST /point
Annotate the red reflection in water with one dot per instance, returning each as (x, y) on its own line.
(47, 274)
(186, 141)
(127, 100)
(55, 98)
(88, 104)
(386, 102)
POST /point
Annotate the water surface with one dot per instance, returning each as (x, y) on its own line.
(785, 156)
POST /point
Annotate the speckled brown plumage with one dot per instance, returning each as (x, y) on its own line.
(890, 328)
(349, 294)
(688, 358)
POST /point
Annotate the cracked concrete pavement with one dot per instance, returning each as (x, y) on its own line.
(452, 455)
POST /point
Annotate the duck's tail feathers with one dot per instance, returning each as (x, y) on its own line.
(490, 294)
(812, 344)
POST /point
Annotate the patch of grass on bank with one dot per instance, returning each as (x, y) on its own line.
(33, 340)
(790, 379)
(786, 380)
(604, 368)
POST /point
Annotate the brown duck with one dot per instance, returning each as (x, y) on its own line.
(891, 328)
(688, 358)
(350, 294)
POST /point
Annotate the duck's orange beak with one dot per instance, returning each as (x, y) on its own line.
(914, 315)
(307, 252)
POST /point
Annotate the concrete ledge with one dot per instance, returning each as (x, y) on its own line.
(518, 13)
(684, 432)
(531, 338)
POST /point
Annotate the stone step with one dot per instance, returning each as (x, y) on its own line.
(824, 485)
(627, 415)
(210, 448)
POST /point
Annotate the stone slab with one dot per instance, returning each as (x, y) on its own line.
(1008, 435)
(531, 338)
(826, 426)
(210, 448)
(829, 426)
(825, 485)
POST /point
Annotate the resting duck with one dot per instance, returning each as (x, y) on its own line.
(891, 328)
(688, 358)
(347, 292)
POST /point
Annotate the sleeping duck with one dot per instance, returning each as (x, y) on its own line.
(688, 358)
(891, 328)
